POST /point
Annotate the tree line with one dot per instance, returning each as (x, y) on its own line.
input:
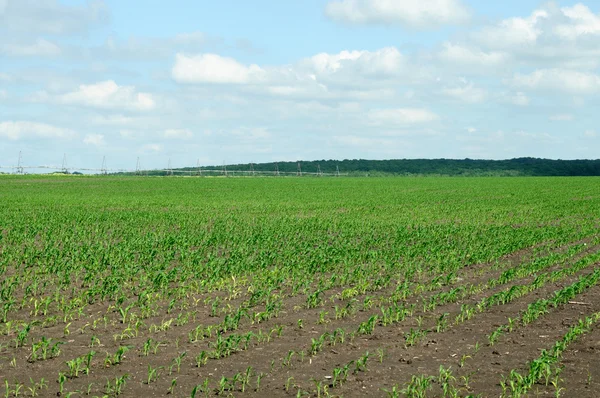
(430, 167)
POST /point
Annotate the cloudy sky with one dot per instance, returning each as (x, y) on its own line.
(263, 80)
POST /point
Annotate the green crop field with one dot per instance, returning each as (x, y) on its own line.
(318, 287)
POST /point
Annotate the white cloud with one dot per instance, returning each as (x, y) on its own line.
(581, 22)
(413, 13)
(181, 134)
(461, 54)
(106, 95)
(466, 92)
(590, 134)
(562, 117)
(401, 116)
(213, 68)
(549, 37)
(41, 48)
(512, 32)
(347, 74)
(383, 61)
(15, 130)
(94, 139)
(570, 81)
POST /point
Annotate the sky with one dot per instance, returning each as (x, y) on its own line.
(232, 81)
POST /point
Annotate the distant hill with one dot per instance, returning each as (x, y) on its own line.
(428, 167)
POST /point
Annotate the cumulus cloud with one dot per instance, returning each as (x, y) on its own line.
(94, 139)
(358, 74)
(581, 21)
(105, 95)
(513, 32)
(549, 36)
(461, 54)
(401, 116)
(412, 13)
(16, 130)
(564, 80)
(213, 68)
(385, 61)
(178, 133)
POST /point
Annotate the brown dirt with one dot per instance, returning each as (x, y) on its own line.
(390, 361)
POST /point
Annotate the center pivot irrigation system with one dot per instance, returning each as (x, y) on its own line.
(20, 168)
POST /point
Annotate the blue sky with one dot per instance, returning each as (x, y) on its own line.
(237, 81)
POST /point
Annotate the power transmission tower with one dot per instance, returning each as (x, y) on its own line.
(103, 168)
(318, 170)
(137, 167)
(169, 170)
(19, 167)
(64, 164)
(299, 171)
(252, 168)
(199, 169)
(277, 169)
(337, 170)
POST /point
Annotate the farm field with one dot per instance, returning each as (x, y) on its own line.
(283, 287)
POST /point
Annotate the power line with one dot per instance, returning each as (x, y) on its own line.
(21, 168)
